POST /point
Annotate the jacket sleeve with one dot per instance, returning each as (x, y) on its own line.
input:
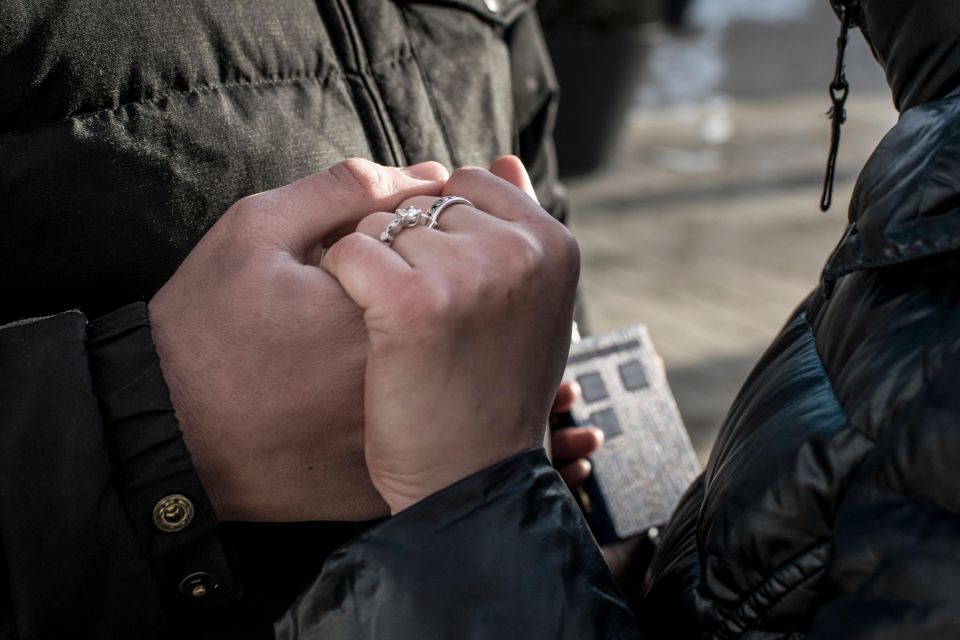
(90, 449)
(501, 554)
(895, 571)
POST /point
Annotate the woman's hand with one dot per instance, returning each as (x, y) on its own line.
(469, 328)
(572, 445)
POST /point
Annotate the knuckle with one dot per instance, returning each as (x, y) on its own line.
(433, 170)
(558, 247)
(462, 179)
(528, 255)
(245, 209)
(353, 245)
(250, 220)
(373, 224)
(568, 250)
(467, 172)
(358, 174)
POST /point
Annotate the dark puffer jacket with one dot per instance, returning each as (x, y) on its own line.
(830, 507)
(126, 129)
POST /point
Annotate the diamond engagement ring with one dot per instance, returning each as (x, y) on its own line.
(403, 218)
(447, 201)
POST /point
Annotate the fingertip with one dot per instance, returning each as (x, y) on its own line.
(353, 247)
(430, 171)
(508, 164)
(575, 473)
(511, 169)
(568, 393)
(585, 467)
(565, 398)
(598, 436)
(364, 267)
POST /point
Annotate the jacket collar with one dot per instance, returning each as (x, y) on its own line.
(916, 41)
(906, 204)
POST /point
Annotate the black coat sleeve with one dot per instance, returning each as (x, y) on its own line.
(90, 447)
(502, 554)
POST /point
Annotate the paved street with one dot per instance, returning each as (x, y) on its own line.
(713, 245)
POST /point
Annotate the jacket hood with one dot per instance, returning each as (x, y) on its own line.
(906, 205)
(918, 44)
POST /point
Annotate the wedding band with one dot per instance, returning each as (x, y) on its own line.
(403, 218)
(433, 216)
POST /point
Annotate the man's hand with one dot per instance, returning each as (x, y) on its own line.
(469, 328)
(264, 353)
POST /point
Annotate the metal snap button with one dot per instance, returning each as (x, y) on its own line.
(173, 513)
(495, 6)
(198, 585)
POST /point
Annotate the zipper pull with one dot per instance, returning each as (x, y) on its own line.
(839, 91)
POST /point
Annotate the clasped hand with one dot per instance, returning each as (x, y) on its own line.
(341, 390)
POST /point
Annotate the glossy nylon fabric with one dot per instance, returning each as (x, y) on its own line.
(533, 572)
(829, 507)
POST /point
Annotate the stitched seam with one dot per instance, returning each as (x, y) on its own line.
(744, 620)
(939, 247)
(379, 68)
(370, 91)
(26, 321)
(322, 79)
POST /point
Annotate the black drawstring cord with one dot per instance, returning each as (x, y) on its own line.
(839, 90)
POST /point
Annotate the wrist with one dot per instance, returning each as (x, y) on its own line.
(401, 491)
(403, 499)
(167, 344)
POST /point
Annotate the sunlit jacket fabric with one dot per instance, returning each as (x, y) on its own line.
(126, 130)
(830, 507)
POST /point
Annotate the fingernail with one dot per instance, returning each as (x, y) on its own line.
(585, 465)
(427, 171)
(599, 434)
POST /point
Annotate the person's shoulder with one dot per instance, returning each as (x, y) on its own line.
(910, 160)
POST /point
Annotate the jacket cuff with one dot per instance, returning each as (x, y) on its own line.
(158, 485)
(503, 553)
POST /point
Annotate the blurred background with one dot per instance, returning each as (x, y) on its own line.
(694, 138)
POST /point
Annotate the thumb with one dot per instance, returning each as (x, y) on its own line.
(511, 169)
(325, 206)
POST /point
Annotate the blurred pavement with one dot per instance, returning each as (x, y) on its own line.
(713, 244)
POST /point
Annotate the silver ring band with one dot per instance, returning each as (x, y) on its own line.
(433, 216)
